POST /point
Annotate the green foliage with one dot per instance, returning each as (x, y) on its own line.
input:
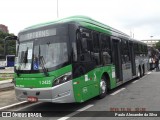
(10, 45)
(157, 45)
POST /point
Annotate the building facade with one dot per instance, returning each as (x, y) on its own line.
(151, 42)
(4, 28)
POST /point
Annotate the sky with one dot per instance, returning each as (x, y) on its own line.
(138, 18)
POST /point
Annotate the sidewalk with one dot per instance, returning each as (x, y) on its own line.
(7, 70)
(6, 73)
(7, 95)
(6, 85)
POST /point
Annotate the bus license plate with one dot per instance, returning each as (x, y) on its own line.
(32, 99)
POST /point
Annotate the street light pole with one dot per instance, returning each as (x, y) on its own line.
(151, 41)
(57, 9)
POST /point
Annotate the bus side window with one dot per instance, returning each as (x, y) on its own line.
(137, 49)
(125, 51)
(86, 45)
(140, 48)
(74, 48)
(96, 47)
(122, 51)
(106, 49)
(146, 50)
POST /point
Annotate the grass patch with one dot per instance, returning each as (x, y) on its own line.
(6, 76)
(1, 79)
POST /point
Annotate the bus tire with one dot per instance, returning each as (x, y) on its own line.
(139, 73)
(103, 87)
(143, 73)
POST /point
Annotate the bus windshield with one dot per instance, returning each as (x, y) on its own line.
(24, 60)
(50, 55)
(40, 56)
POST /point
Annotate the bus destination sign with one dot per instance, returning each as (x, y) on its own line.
(37, 34)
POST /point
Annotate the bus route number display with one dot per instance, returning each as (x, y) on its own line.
(45, 82)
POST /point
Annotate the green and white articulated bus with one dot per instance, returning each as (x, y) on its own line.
(75, 59)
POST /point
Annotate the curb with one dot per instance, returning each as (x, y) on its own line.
(6, 81)
(7, 88)
(6, 85)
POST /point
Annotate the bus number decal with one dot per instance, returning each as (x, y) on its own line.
(44, 82)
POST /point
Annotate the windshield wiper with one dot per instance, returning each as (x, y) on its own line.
(17, 71)
(25, 56)
(42, 62)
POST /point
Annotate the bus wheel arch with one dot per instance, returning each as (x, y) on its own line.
(106, 75)
(104, 85)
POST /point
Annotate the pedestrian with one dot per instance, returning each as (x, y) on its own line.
(151, 63)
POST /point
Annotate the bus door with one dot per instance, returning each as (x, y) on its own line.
(116, 58)
(132, 56)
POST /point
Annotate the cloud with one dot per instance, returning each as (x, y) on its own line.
(140, 16)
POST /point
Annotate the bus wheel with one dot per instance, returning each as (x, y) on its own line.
(103, 87)
(143, 73)
(139, 73)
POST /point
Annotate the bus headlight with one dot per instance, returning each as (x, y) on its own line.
(64, 78)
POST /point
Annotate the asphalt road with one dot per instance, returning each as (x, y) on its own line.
(142, 94)
(7, 97)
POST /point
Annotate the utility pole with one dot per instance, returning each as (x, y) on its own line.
(57, 10)
(151, 41)
(132, 33)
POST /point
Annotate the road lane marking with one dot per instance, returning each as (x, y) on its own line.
(76, 112)
(32, 104)
(144, 76)
(118, 91)
(85, 108)
(63, 118)
(135, 81)
(8, 106)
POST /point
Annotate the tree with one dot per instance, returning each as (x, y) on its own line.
(158, 45)
(10, 45)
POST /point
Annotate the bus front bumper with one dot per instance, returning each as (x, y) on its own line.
(62, 93)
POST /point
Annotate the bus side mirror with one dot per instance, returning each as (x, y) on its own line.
(15, 38)
(12, 38)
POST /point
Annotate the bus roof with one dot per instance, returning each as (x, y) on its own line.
(84, 21)
(79, 19)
